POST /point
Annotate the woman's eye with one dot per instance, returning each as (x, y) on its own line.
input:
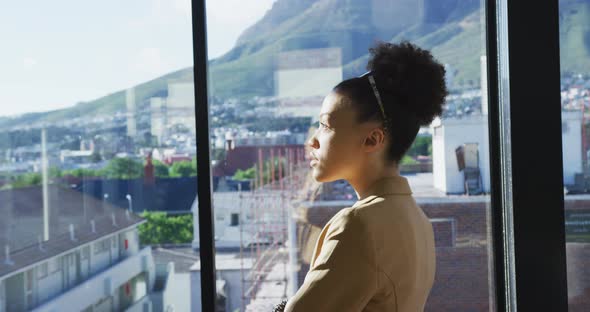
(323, 125)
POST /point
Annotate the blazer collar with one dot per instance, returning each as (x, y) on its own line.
(386, 186)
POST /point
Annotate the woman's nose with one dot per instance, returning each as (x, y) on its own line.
(313, 142)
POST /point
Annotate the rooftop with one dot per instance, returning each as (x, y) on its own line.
(22, 230)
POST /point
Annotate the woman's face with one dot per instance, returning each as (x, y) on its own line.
(336, 146)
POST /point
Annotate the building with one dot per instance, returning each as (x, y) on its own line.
(304, 77)
(571, 136)
(158, 117)
(74, 253)
(131, 112)
(231, 288)
(448, 135)
(451, 133)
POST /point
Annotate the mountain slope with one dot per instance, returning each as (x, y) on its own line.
(109, 104)
(452, 29)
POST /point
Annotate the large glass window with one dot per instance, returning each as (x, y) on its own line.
(270, 65)
(97, 142)
(574, 30)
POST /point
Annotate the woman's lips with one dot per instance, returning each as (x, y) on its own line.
(313, 160)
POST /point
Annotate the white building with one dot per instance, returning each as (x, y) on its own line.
(175, 110)
(450, 133)
(91, 261)
(158, 117)
(244, 218)
(232, 281)
(571, 135)
(131, 112)
(304, 77)
(180, 105)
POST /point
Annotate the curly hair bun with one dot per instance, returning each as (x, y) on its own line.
(413, 80)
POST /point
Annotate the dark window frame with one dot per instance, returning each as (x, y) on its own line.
(529, 255)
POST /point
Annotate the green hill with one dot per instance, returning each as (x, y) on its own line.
(108, 104)
(452, 29)
(574, 35)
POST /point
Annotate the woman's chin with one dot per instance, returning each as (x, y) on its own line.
(320, 176)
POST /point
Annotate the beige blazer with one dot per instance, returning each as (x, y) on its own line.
(377, 255)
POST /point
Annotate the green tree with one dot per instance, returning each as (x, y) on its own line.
(161, 170)
(421, 146)
(123, 168)
(184, 169)
(81, 173)
(247, 174)
(163, 229)
(95, 157)
(407, 160)
(27, 179)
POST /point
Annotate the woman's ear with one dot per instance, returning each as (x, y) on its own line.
(374, 140)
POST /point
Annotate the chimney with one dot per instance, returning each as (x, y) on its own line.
(7, 259)
(229, 144)
(72, 234)
(148, 171)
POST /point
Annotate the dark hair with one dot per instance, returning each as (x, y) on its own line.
(412, 88)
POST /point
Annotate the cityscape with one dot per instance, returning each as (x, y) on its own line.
(100, 204)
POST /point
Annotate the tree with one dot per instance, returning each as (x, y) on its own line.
(184, 169)
(421, 146)
(81, 173)
(247, 174)
(161, 170)
(407, 160)
(27, 179)
(95, 157)
(123, 168)
(161, 228)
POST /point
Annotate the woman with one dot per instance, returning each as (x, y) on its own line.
(377, 255)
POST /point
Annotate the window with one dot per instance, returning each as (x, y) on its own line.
(235, 219)
(54, 265)
(102, 246)
(267, 79)
(574, 24)
(110, 86)
(85, 253)
(42, 270)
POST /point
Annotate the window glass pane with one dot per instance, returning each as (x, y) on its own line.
(574, 41)
(97, 155)
(271, 63)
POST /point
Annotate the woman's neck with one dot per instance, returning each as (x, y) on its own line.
(369, 175)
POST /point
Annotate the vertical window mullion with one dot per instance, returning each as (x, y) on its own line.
(534, 176)
(204, 181)
(500, 217)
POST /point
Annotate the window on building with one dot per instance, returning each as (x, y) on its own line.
(235, 219)
(85, 253)
(54, 265)
(42, 270)
(102, 246)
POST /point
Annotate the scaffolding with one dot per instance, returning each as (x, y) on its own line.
(278, 183)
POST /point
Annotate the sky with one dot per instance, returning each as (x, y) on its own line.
(57, 53)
